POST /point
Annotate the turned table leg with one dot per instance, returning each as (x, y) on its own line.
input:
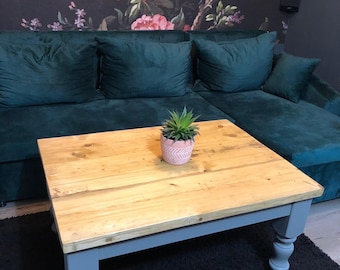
(287, 230)
(283, 249)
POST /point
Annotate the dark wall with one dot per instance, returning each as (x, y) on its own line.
(315, 32)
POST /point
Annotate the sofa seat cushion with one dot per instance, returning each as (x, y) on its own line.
(26, 124)
(303, 133)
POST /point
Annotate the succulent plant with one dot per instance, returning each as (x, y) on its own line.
(179, 126)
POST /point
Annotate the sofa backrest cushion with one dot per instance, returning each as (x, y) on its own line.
(43, 71)
(290, 76)
(320, 93)
(238, 65)
(144, 69)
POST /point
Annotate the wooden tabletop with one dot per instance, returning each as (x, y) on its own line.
(113, 186)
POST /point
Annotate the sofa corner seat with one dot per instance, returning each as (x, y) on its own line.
(303, 133)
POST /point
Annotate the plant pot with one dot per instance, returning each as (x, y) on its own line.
(176, 152)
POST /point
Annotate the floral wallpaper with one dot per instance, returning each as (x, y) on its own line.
(148, 15)
(91, 15)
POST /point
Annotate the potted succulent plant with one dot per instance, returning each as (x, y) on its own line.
(177, 138)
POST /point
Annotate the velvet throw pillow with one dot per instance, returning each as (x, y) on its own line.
(237, 65)
(289, 76)
(45, 73)
(144, 69)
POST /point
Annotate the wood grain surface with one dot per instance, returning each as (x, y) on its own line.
(113, 186)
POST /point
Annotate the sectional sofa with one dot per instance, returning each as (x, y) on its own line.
(65, 83)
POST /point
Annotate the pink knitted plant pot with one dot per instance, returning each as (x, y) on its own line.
(176, 152)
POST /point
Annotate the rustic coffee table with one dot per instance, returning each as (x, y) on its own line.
(112, 194)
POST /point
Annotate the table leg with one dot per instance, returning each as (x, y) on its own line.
(283, 249)
(287, 230)
(84, 260)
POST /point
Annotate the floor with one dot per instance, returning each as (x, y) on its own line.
(323, 227)
(323, 224)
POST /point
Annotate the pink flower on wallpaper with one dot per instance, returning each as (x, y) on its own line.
(81, 13)
(72, 6)
(33, 25)
(157, 22)
(236, 17)
(56, 26)
(79, 22)
(186, 27)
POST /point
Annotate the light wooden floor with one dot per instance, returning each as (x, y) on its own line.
(323, 227)
(323, 224)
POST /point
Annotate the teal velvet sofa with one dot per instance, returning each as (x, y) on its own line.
(66, 83)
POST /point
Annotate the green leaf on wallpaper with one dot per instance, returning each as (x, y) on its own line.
(60, 18)
(223, 20)
(218, 16)
(229, 10)
(105, 22)
(133, 2)
(210, 17)
(120, 16)
(103, 25)
(165, 3)
(134, 11)
(179, 20)
(90, 22)
(219, 7)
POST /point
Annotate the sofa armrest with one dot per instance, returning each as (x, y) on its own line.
(319, 93)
